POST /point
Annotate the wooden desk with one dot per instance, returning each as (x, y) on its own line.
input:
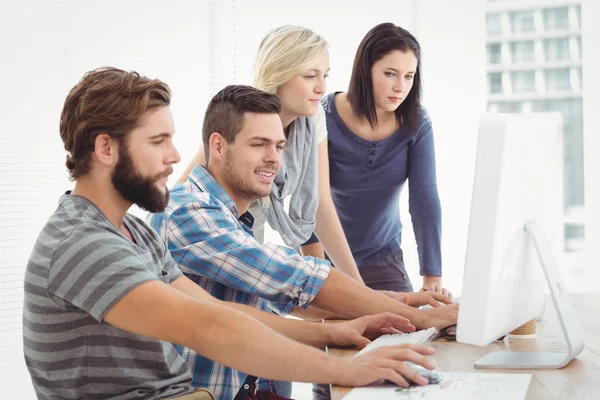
(580, 379)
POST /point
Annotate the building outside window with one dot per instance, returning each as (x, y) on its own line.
(495, 82)
(556, 18)
(558, 79)
(494, 24)
(557, 49)
(506, 107)
(494, 52)
(522, 22)
(523, 81)
(522, 52)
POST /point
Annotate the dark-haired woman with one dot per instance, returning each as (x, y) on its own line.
(380, 137)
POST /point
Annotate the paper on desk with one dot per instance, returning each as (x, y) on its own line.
(455, 386)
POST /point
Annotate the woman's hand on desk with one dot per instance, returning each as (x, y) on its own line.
(433, 284)
(385, 363)
(418, 299)
(359, 332)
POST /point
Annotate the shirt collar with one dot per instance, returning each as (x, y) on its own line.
(206, 183)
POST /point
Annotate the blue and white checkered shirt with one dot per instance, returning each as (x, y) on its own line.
(217, 251)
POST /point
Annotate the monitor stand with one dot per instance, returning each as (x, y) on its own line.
(566, 316)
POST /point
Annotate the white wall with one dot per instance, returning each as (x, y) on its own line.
(331, 19)
(46, 48)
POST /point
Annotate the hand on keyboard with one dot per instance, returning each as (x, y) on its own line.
(386, 364)
(416, 299)
(438, 317)
(418, 338)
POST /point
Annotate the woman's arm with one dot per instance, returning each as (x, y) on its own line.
(328, 228)
(424, 206)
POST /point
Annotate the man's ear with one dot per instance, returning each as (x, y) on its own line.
(216, 145)
(106, 150)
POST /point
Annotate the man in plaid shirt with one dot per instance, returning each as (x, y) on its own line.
(209, 234)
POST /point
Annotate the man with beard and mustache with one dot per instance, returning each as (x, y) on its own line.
(104, 299)
(209, 233)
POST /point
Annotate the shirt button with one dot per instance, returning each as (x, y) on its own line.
(374, 144)
(370, 162)
(373, 152)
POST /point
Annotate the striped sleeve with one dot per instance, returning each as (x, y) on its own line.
(93, 269)
(206, 240)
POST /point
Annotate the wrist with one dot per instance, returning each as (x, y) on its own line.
(329, 332)
(432, 279)
(419, 319)
(335, 369)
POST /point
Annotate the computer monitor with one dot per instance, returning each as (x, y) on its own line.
(516, 206)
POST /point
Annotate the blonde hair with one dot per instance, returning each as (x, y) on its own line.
(285, 52)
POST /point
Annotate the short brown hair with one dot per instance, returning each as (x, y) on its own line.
(225, 112)
(106, 100)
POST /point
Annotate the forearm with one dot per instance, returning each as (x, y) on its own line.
(345, 296)
(218, 332)
(311, 333)
(287, 279)
(312, 313)
(264, 353)
(330, 233)
(314, 250)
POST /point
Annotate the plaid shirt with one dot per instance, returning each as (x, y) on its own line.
(214, 249)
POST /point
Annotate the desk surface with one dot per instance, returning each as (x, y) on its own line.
(580, 379)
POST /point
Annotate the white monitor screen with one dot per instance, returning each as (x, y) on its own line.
(518, 179)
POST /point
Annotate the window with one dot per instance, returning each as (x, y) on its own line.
(522, 52)
(556, 49)
(495, 82)
(556, 18)
(579, 47)
(494, 52)
(558, 79)
(523, 81)
(572, 112)
(494, 24)
(510, 107)
(522, 22)
(578, 13)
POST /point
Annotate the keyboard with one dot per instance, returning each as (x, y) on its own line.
(418, 337)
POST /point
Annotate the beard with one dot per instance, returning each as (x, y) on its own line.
(140, 190)
(237, 184)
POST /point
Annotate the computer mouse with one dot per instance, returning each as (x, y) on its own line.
(433, 377)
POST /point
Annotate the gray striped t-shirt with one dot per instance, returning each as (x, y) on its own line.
(80, 267)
